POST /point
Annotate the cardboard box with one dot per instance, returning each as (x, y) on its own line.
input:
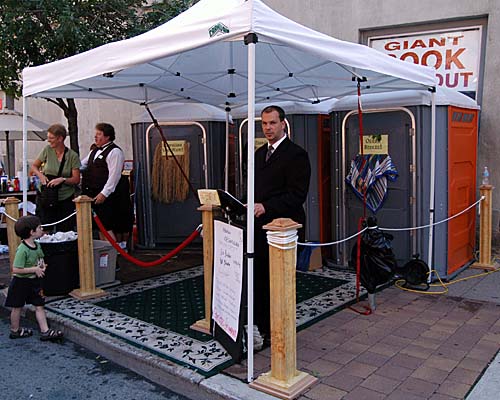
(316, 260)
(104, 262)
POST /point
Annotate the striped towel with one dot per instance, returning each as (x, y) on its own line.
(370, 173)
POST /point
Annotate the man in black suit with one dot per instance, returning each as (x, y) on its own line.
(282, 173)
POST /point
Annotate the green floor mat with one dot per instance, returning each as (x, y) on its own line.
(178, 305)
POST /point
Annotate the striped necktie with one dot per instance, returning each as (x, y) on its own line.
(270, 150)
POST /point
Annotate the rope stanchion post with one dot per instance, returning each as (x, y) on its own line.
(12, 209)
(485, 232)
(87, 288)
(284, 380)
(208, 212)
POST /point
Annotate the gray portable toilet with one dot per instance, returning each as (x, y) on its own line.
(404, 119)
(204, 128)
(309, 126)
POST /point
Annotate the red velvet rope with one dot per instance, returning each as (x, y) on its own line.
(138, 262)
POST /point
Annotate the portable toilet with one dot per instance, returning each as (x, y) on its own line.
(401, 124)
(198, 132)
(309, 126)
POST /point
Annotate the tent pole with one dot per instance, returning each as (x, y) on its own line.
(226, 169)
(25, 155)
(250, 41)
(432, 182)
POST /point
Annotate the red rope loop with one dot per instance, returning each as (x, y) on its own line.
(138, 262)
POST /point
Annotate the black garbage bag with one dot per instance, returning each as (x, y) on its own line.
(377, 261)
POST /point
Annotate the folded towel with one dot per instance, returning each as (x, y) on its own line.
(370, 173)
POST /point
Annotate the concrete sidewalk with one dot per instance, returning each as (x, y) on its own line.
(414, 347)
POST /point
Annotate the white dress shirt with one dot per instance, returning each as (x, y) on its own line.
(114, 160)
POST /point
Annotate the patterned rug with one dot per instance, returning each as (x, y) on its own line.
(155, 314)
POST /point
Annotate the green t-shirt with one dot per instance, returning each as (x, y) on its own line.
(27, 257)
(50, 166)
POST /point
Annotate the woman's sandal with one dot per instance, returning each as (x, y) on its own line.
(21, 333)
(51, 334)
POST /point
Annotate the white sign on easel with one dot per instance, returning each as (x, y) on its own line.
(228, 277)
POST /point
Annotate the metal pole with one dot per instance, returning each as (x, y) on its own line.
(25, 155)
(432, 182)
(250, 200)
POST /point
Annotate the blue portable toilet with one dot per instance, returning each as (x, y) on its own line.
(402, 120)
(204, 128)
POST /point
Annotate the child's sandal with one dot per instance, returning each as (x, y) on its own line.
(21, 333)
(51, 334)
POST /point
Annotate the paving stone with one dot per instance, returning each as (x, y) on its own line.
(411, 330)
(428, 343)
(396, 342)
(472, 364)
(482, 353)
(443, 363)
(361, 393)
(308, 354)
(374, 359)
(454, 389)
(417, 351)
(383, 349)
(418, 387)
(339, 357)
(439, 396)
(462, 375)
(409, 362)
(380, 384)
(400, 395)
(394, 372)
(452, 352)
(323, 392)
(343, 381)
(353, 347)
(429, 374)
(359, 369)
(370, 336)
(322, 367)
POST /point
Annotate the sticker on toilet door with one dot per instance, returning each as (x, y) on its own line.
(103, 260)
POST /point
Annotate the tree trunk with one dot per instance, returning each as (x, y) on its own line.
(72, 117)
(71, 114)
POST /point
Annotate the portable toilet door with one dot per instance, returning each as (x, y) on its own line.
(162, 223)
(405, 117)
(309, 126)
(395, 126)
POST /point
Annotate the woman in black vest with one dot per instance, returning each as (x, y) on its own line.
(103, 181)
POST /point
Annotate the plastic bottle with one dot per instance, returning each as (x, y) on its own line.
(486, 177)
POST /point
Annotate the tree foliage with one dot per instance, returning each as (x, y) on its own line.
(35, 32)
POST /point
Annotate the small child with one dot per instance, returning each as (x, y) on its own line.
(25, 287)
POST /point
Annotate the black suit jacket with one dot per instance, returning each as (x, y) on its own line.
(282, 183)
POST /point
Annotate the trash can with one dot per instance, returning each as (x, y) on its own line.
(61, 275)
(104, 262)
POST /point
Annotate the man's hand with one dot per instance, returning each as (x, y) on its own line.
(259, 209)
(99, 199)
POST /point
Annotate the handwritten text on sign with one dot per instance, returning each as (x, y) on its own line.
(228, 277)
(375, 144)
(176, 147)
(455, 54)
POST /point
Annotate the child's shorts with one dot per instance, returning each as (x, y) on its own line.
(24, 291)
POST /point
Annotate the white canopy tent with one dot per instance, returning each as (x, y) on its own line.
(11, 128)
(226, 53)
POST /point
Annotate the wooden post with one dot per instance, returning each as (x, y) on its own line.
(12, 209)
(87, 288)
(485, 231)
(284, 380)
(207, 218)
